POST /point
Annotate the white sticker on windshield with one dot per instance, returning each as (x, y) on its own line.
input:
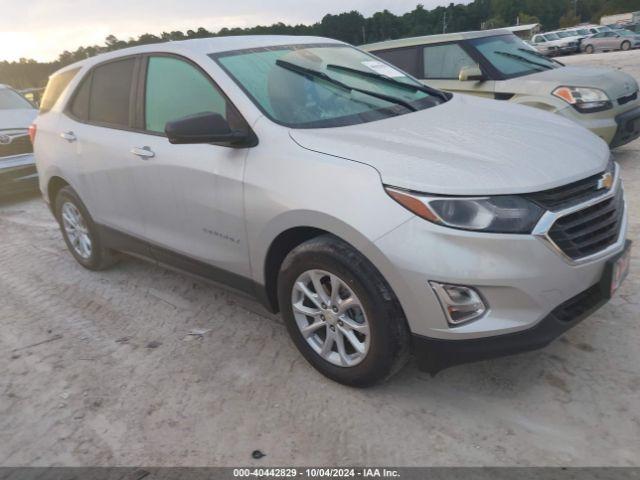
(383, 69)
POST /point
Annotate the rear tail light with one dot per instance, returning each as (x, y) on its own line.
(32, 133)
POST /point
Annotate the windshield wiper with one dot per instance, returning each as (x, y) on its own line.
(392, 81)
(523, 59)
(309, 72)
(538, 54)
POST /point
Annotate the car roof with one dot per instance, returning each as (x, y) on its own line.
(429, 39)
(204, 46)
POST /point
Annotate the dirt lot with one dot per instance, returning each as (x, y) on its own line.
(99, 369)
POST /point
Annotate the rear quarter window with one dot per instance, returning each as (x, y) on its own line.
(56, 85)
(79, 106)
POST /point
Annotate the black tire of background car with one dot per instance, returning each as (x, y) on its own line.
(589, 49)
(390, 338)
(101, 257)
(626, 45)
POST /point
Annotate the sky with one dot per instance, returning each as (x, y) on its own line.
(42, 29)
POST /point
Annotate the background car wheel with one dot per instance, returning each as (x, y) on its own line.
(589, 49)
(626, 45)
(80, 232)
(341, 313)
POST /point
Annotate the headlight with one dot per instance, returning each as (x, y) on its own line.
(499, 214)
(583, 99)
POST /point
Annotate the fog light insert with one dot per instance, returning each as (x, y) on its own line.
(460, 304)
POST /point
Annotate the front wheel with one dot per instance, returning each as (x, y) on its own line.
(626, 45)
(341, 314)
(80, 232)
(589, 49)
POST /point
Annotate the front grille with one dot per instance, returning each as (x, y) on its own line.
(580, 305)
(19, 145)
(591, 229)
(628, 98)
(568, 195)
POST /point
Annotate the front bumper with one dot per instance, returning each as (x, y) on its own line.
(526, 280)
(628, 127)
(18, 175)
(617, 126)
(434, 355)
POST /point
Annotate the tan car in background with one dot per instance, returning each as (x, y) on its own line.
(497, 64)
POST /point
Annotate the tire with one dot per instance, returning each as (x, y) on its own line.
(589, 49)
(626, 45)
(386, 345)
(67, 204)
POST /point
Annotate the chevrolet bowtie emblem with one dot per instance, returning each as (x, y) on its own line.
(5, 139)
(606, 181)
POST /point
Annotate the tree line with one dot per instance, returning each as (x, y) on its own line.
(354, 28)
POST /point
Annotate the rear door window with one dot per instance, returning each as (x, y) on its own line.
(111, 92)
(404, 58)
(176, 89)
(56, 85)
(445, 61)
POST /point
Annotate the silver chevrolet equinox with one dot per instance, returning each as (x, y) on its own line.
(381, 217)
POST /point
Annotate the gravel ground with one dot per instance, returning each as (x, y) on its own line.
(100, 369)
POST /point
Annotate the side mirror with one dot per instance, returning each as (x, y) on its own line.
(471, 74)
(205, 127)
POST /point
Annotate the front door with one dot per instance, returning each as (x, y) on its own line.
(191, 195)
(442, 65)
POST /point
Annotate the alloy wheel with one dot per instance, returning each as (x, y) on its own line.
(76, 230)
(331, 318)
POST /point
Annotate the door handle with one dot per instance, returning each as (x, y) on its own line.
(68, 136)
(143, 152)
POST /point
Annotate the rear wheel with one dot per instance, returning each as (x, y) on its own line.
(80, 232)
(626, 45)
(341, 314)
(589, 49)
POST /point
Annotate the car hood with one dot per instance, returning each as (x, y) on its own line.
(615, 83)
(467, 146)
(13, 119)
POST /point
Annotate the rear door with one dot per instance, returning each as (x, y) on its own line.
(101, 115)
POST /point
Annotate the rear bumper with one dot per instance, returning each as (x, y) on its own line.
(628, 127)
(18, 175)
(434, 355)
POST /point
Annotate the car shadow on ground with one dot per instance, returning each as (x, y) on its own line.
(10, 200)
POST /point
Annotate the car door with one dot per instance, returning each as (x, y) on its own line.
(99, 123)
(441, 69)
(610, 41)
(191, 196)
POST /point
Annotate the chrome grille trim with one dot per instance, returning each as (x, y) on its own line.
(548, 219)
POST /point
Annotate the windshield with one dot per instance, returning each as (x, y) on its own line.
(10, 100)
(327, 85)
(551, 36)
(511, 56)
(583, 31)
(626, 33)
(564, 34)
